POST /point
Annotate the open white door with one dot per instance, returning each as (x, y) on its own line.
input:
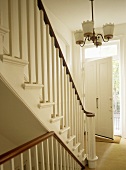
(98, 94)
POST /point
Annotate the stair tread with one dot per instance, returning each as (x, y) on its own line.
(81, 151)
(71, 138)
(13, 60)
(32, 85)
(76, 146)
(56, 119)
(64, 130)
(47, 104)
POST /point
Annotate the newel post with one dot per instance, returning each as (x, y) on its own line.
(91, 144)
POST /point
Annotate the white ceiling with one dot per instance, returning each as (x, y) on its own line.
(73, 12)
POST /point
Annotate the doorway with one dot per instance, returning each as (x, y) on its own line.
(106, 50)
(116, 97)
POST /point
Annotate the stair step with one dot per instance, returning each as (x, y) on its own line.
(64, 130)
(56, 119)
(13, 60)
(76, 146)
(70, 139)
(32, 86)
(41, 105)
(80, 153)
(85, 157)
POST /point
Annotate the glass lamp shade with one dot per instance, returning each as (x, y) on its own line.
(88, 28)
(79, 38)
(108, 30)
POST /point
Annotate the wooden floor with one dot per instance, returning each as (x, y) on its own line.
(111, 156)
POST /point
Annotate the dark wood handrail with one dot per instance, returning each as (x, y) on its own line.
(16, 151)
(20, 149)
(52, 34)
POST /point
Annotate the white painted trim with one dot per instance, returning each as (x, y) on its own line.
(41, 105)
(32, 86)
(11, 60)
(81, 151)
(56, 119)
(18, 96)
(64, 130)
(70, 139)
(76, 146)
(92, 162)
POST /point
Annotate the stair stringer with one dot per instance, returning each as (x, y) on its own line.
(10, 69)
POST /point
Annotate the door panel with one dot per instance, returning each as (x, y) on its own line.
(90, 85)
(98, 94)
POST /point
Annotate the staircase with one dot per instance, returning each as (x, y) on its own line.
(34, 70)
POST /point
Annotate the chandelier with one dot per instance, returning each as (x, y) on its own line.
(88, 32)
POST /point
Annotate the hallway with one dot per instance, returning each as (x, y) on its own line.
(111, 156)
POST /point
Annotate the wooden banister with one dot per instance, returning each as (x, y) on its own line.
(16, 151)
(52, 34)
(20, 149)
(59, 140)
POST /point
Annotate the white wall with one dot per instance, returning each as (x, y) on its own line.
(5, 144)
(17, 124)
(77, 67)
(64, 37)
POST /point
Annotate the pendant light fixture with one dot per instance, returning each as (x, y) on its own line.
(88, 33)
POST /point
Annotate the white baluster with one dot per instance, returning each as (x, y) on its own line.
(81, 128)
(60, 157)
(67, 160)
(79, 125)
(83, 132)
(62, 92)
(76, 119)
(12, 164)
(70, 162)
(73, 165)
(44, 62)
(54, 78)
(1, 167)
(49, 64)
(46, 147)
(71, 110)
(36, 157)
(22, 29)
(29, 160)
(68, 96)
(42, 25)
(42, 157)
(21, 161)
(37, 43)
(58, 83)
(52, 153)
(64, 159)
(65, 98)
(56, 155)
(14, 28)
(31, 40)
